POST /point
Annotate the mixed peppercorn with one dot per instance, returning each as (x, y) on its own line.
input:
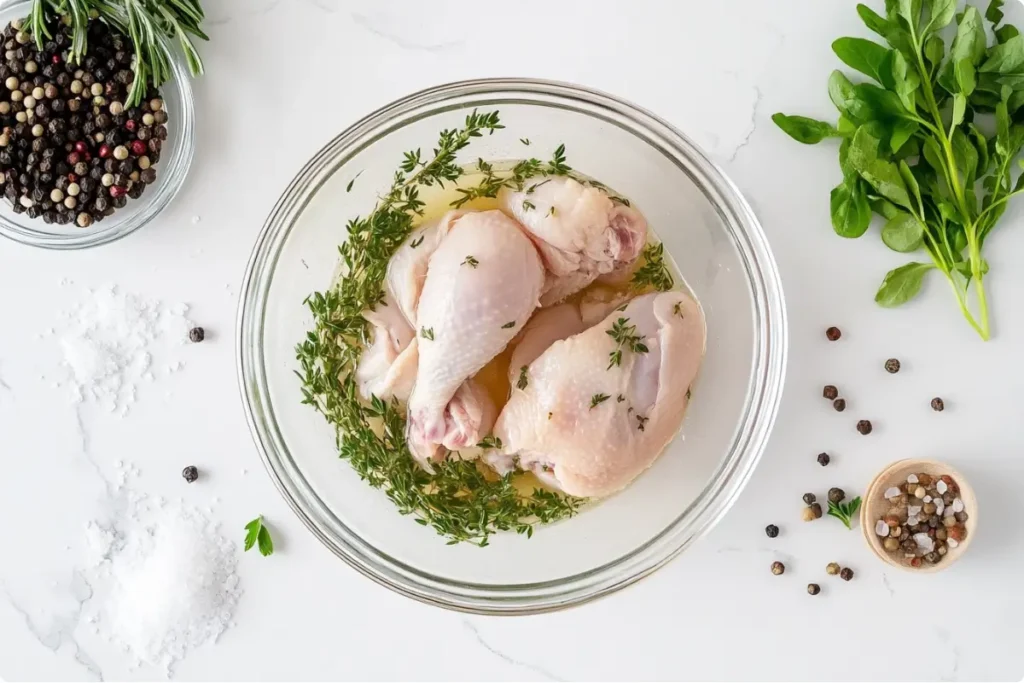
(926, 517)
(70, 152)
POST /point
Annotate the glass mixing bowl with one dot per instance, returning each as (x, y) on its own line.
(707, 228)
(175, 159)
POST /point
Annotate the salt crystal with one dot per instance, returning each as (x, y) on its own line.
(924, 542)
(958, 505)
(927, 499)
(168, 583)
(912, 520)
(912, 479)
(881, 528)
(108, 345)
(939, 506)
(948, 512)
(952, 542)
(941, 486)
(892, 492)
(913, 510)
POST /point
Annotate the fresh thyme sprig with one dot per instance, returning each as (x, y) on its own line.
(625, 336)
(146, 22)
(653, 273)
(461, 500)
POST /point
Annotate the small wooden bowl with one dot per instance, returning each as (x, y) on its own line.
(875, 505)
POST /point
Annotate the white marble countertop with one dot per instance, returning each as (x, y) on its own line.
(717, 70)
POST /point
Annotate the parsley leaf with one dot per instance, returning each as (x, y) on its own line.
(256, 533)
(844, 512)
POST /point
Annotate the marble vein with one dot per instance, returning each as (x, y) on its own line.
(404, 43)
(62, 629)
(752, 128)
(510, 660)
(888, 587)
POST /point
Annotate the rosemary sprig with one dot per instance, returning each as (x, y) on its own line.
(461, 500)
(146, 22)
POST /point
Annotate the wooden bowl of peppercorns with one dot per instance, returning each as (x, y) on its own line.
(919, 515)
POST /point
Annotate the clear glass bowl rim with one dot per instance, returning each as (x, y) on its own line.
(763, 395)
(174, 163)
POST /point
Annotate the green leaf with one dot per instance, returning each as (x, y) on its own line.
(840, 91)
(909, 180)
(884, 208)
(905, 80)
(256, 533)
(863, 149)
(933, 155)
(903, 233)
(1005, 33)
(966, 157)
(851, 213)
(934, 50)
(959, 108)
(1016, 101)
(871, 102)
(969, 44)
(1005, 58)
(981, 145)
(865, 56)
(902, 284)
(805, 130)
(885, 177)
(902, 131)
(965, 80)
(910, 12)
(1002, 129)
(942, 14)
(994, 13)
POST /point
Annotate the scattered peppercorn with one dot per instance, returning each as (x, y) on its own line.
(892, 366)
(823, 459)
(864, 427)
(809, 498)
(813, 588)
(832, 568)
(839, 404)
(190, 473)
(938, 405)
(830, 392)
(771, 530)
(197, 334)
(816, 510)
(836, 495)
(807, 514)
(833, 333)
(846, 574)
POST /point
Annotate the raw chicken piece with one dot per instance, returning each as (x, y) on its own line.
(580, 232)
(388, 366)
(546, 327)
(563, 428)
(483, 283)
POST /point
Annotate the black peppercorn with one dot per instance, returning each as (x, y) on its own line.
(839, 404)
(778, 568)
(892, 366)
(938, 405)
(119, 202)
(836, 495)
(830, 392)
(809, 498)
(813, 588)
(148, 176)
(816, 509)
(833, 333)
(126, 167)
(144, 133)
(190, 473)
(197, 334)
(136, 190)
(864, 427)
(771, 530)
(823, 459)
(102, 204)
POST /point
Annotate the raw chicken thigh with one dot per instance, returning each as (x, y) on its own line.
(580, 232)
(388, 366)
(483, 282)
(589, 429)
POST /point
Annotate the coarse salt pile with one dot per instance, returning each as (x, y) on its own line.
(108, 345)
(164, 581)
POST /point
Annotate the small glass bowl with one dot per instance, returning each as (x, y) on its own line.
(705, 225)
(175, 159)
